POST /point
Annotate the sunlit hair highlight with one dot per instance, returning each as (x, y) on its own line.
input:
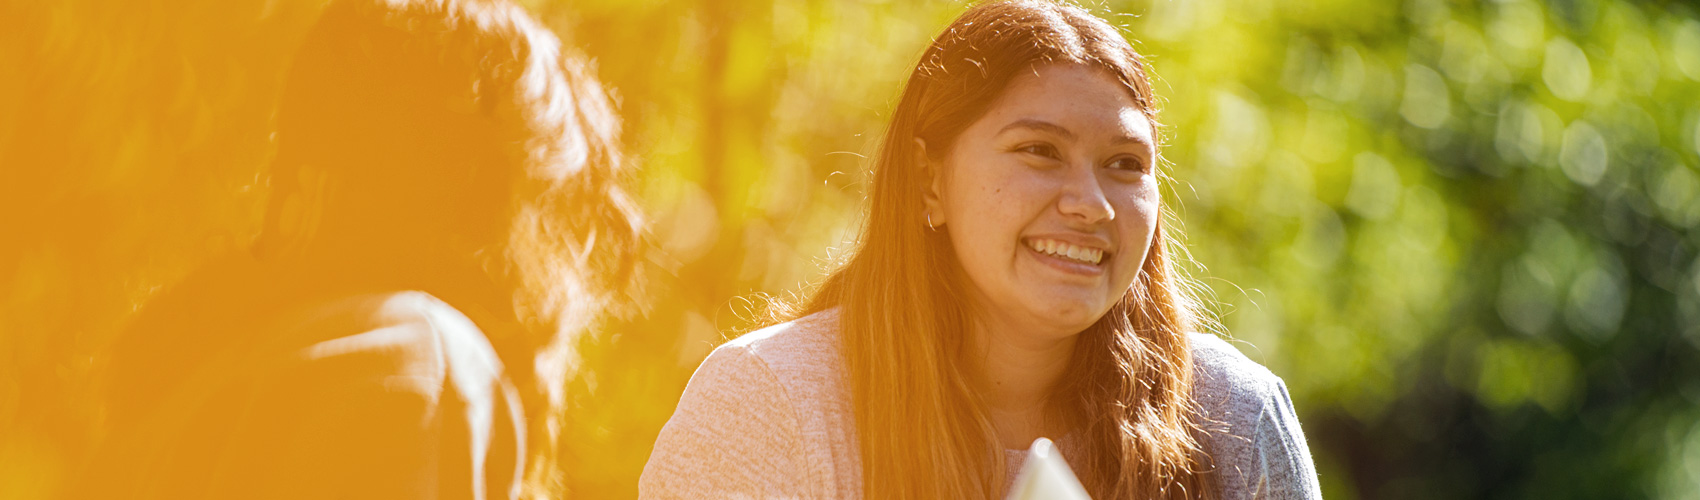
(923, 431)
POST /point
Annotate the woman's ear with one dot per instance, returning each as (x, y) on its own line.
(932, 195)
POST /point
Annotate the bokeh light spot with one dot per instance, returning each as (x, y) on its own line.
(1685, 48)
(1527, 296)
(1566, 70)
(1518, 26)
(1597, 301)
(1583, 155)
(1427, 101)
(1518, 137)
(1375, 186)
(1677, 195)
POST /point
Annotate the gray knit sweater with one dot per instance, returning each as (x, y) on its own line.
(768, 416)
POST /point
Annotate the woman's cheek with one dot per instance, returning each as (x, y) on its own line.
(1147, 197)
(1137, 219)
(1008, 191)
(1138, 199)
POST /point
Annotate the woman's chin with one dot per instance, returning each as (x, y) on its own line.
(1070, 317)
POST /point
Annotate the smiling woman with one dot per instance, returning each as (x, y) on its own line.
(1012, 282)
(1050, 200)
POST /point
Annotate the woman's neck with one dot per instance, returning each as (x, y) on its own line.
(1018, 373)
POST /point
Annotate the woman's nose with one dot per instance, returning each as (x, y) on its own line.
(1083, 198)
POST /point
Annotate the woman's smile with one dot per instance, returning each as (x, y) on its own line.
(1070, 258)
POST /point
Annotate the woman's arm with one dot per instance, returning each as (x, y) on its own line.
(735, 434)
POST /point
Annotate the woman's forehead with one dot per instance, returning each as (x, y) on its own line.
(1074, 101)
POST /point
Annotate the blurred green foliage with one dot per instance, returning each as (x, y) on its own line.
(1466, 234)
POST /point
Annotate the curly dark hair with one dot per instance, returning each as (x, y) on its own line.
(462, 127)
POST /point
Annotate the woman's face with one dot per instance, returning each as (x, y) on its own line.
(1050, 200)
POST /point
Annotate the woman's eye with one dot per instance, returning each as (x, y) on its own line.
(1044, 150)
(1131, 164)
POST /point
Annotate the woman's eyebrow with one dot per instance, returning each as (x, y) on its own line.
(1039, 125)
(1045, 126)
(1135, 140)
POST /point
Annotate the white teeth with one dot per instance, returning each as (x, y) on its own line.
(1065, 250)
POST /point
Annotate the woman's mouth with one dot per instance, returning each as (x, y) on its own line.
(1066, 251)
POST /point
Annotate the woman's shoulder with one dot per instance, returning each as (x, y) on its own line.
(346, 382)
(1234, 394)
(408, 330)
(1223, 373)
(806, 344)
(798, 360)
(1251, 430)
(764, 416)
(403, 343)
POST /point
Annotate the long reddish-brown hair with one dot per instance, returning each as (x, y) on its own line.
(923, 430)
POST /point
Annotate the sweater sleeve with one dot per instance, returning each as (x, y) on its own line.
(1286, 471)
(734, 435)
(1252, 436)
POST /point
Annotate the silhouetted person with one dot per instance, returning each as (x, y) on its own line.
(445, 215)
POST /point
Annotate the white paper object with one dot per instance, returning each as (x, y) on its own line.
(1046, 476)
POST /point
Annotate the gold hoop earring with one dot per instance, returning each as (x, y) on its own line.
(930, 221)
